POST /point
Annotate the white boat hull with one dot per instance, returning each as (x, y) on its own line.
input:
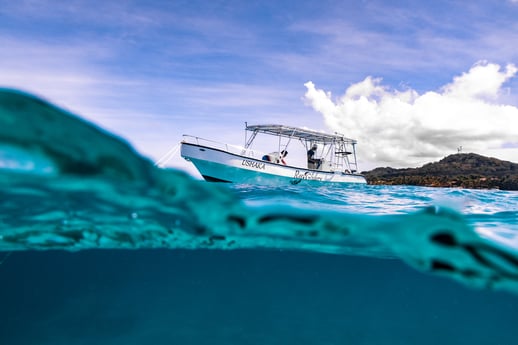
(221, 166)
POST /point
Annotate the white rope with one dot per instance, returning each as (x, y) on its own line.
(168, 156)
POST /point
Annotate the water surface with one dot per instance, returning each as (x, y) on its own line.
(99, 246)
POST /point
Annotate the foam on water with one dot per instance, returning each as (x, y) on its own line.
(66, 184)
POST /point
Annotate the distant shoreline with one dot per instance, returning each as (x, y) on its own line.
(462, 170)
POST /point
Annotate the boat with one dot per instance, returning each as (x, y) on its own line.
(332, 160)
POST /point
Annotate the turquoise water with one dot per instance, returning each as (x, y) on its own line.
(97, 246)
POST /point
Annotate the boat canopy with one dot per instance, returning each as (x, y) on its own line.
(300, 133)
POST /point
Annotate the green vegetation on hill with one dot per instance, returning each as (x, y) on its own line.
(465, 170)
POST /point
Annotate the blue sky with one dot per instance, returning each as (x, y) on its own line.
(151, 71)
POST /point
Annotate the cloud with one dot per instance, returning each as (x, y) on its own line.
(150, 110)
(404, 128)
(482, 81)
(404, 41)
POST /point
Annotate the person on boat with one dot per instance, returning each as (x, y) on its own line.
(283, 155)
(313, 163)
(276, 157)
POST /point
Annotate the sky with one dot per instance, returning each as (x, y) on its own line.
(412, 81)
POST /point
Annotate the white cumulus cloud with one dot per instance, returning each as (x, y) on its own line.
(403, 128)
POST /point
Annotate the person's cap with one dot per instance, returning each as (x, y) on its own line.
(314, 146)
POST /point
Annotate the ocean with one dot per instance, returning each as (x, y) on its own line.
(98, 246)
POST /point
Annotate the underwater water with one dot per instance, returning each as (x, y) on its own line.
(98, 246)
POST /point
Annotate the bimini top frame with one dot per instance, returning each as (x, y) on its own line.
(340, 147)
(298, 133)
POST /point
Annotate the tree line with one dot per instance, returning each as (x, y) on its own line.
(464, 170)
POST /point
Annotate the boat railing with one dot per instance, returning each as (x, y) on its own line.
(338, 163)
(235, 149)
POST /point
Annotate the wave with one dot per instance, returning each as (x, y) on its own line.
(67, 184)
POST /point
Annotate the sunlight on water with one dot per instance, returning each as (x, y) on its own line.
(14, 159)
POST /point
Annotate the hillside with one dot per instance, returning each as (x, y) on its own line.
(466, 170)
